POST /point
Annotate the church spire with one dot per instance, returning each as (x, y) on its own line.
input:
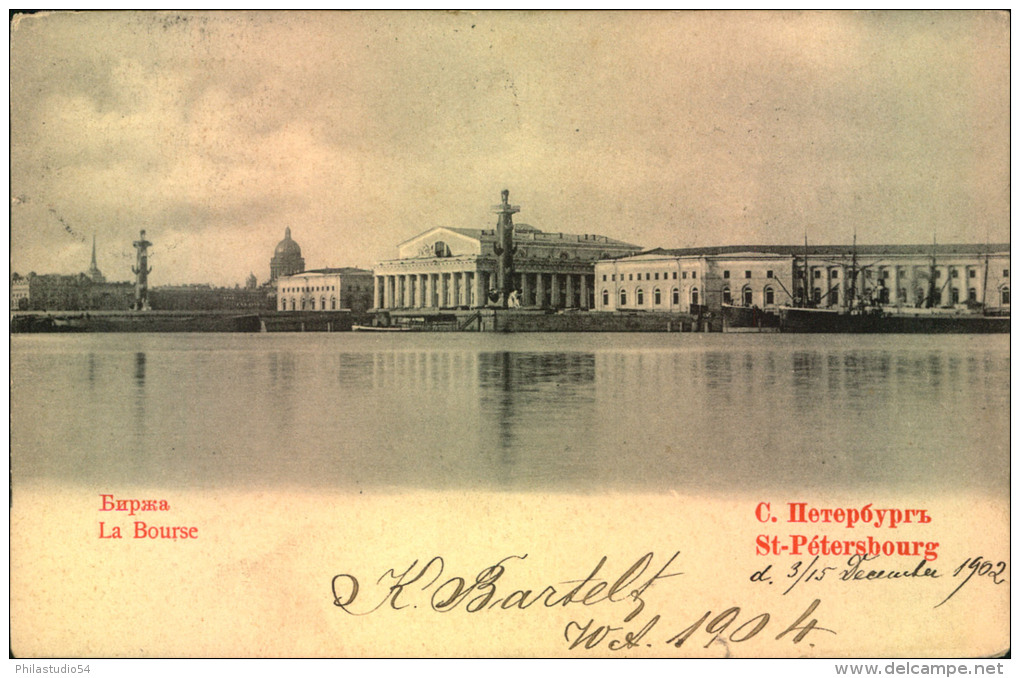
(94, 272)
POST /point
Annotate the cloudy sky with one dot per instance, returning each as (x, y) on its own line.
(215, 131)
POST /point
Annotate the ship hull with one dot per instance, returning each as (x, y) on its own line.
(748, 319)
(880, 322)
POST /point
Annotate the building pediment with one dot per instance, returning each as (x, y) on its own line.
(439, 242)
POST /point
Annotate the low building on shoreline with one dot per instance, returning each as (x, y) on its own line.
(699, 280)
(325, 289)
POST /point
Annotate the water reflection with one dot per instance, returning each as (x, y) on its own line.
(544, 413)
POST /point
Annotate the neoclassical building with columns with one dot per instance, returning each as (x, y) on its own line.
(456, 268)
(703, 279)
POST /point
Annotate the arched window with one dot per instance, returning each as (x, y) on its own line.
(657, 296)
(972, 294)
(302, 303)
(694, 296)
(605, 298)
(770, 296)
(834, 296)
(322, 303)
(312, 303)
(1004, 296)
(726, 296)
(332, 303)
(623, 297)
(816, 295)
(675, 294)
(748, 296)
(293, 304)
(640, 297)
(955, 293)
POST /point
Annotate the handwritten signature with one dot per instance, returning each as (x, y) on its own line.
(428, 584)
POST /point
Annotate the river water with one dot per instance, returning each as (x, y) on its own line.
(573, 413)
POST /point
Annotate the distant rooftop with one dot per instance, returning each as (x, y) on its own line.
(834, 250)
(346, 270)
(528, 233)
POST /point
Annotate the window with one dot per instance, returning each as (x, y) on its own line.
(1004, 295)
(312, 303)
(938, 274)
(954, 273)
(972, 294)
(657, 296)
(684, 275)
(726, 274)
(818, 274)
(603, 277)
(726, 297)
(903, 295)
(748, 296)
(293, 304)
(1005, 273)
(955, 296)
(770, 296)
(834, 297)
(694, 274)
(605, 297)
(630, 276)
(747, 274)
(674, 275)
(640, 297)
(694, 297)
(834, 274)
(322, 303)
(614, 277)
(768, 274)
(676, 296)
(639, 276)
(972, 273)
(623, 297)
(816, 294)
(656, 276)
(332, 303)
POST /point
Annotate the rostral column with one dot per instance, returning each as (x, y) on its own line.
(504, 248)
(142, 271)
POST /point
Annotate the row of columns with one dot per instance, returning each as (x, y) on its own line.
(907, 279)
(470, 288)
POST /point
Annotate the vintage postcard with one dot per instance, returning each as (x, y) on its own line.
(510, 334)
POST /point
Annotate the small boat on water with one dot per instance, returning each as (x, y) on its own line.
(374, 328)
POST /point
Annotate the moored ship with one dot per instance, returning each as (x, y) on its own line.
(862, 314)
(891, 320)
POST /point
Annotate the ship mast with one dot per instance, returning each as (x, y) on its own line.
(852, 292)
(930, 301)
(806, 300)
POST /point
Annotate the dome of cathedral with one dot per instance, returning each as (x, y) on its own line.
(287, 247)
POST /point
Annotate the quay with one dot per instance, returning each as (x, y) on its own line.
(422, 320)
